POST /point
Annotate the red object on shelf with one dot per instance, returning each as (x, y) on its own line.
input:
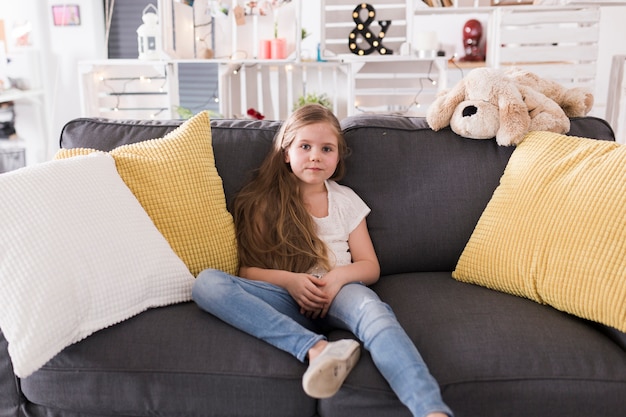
(472, 33)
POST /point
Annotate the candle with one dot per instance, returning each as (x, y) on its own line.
(265, 49)
(426, 43)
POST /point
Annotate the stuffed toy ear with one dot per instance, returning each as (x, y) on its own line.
(440, 112)
(545, 113)
(577, 102)
(514, 117)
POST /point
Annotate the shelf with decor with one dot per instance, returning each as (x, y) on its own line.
(397, 69)
(269, 86)
(386, 74)
(557, 42)
(131, 89)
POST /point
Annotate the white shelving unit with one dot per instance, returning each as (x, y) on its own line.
(273, 87)
(394, 84)
(556, 42)
(128, 89)
(382, 83)
(32, 120)
(133, 89)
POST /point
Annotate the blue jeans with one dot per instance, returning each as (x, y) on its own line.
(269, 313)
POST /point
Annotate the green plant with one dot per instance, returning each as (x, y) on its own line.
(322, 99)
(185, 113)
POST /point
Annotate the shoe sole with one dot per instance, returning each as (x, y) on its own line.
(326, 377)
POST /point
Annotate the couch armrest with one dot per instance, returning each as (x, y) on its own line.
(9, 383)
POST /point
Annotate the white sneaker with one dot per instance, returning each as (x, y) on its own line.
(327, 372)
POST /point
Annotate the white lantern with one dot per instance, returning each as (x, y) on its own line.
(149, 34)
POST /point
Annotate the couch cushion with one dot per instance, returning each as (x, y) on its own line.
(176, 181)
(77, 253)
(490, 351)
(172, 361)
(554, 230)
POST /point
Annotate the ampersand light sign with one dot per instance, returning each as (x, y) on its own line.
(362, 30)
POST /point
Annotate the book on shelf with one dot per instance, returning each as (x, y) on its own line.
(439, 3)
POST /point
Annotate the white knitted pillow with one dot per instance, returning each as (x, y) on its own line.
(78, 253)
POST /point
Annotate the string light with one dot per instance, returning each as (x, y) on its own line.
(117, 93)
(154, 115)
(430, 68)
(415, 103)
(453, 62)
(162, 87)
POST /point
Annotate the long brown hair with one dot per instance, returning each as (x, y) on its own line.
(274, 229)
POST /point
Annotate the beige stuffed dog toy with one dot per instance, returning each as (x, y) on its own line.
(506, 104)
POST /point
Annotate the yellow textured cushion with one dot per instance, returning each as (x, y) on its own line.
(555, 228)
(175, 180)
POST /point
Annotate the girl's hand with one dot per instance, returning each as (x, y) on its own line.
(330, 288)
(307, 291)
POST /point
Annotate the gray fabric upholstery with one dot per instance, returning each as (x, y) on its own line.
(172, 361)
(9, 392)
(493, 354)
(426, 190)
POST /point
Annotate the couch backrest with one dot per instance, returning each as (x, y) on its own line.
(426, 189)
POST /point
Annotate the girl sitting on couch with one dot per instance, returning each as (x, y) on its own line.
(306, 260)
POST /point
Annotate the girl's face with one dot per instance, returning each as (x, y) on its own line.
(314, 153)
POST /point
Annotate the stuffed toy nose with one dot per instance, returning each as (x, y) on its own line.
(469, 111)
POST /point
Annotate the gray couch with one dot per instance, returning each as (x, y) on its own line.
(493, 354)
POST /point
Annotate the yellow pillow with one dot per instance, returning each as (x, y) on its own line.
(555, 228)
(175, 180)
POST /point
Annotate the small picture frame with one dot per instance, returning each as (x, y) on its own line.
(66, 15)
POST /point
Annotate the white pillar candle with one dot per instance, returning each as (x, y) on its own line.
(426, 41)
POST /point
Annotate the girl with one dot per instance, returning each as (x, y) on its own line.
(306, 260)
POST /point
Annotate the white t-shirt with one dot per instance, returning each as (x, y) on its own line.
(346, 210)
